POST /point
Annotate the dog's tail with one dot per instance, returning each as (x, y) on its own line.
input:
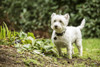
(82, 24)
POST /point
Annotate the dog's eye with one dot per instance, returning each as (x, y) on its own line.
(60, 21)
(54, 20)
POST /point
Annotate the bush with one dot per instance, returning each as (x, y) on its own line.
(29, 15)
(26, 42)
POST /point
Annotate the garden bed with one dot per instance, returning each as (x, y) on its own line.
(9, 57)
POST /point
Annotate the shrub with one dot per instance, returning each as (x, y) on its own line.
(35, 15)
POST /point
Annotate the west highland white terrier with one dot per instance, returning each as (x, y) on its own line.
(64, 36)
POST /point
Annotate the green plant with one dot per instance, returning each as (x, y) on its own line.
(6, 36)
(38, 46)
(35, 15)
(26, 42)
(30, 14)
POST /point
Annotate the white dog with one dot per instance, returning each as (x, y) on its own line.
(65, 36)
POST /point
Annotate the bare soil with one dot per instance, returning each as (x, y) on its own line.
(9, 57)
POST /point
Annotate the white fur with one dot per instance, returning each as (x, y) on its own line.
(71, 35)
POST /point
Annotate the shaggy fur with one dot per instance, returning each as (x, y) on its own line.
(70, 34)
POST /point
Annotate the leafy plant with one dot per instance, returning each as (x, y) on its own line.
(26, 42)
(38, 46)
(6, 36)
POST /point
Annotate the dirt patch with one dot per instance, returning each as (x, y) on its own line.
(9, 57)
(87, 62)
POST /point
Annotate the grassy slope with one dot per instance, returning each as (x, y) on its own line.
(91, 57)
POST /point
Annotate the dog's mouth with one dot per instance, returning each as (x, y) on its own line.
(57, 29)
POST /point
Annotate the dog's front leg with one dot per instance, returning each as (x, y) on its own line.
(59, 50)
(69, 50)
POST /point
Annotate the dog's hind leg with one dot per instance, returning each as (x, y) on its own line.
(79, 46)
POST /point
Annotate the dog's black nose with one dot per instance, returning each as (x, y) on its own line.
(55, 38)
(56, 26)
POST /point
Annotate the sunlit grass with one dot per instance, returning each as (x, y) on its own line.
(91, 49)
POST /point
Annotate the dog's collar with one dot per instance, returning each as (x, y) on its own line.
(60, 34)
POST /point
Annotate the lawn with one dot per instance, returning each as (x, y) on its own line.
(91, 49)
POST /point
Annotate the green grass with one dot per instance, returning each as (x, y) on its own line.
(91, 53)
(91, 49)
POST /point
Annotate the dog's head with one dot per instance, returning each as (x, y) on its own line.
(59, 22)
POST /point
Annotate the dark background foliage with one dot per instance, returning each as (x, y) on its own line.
(32, 15)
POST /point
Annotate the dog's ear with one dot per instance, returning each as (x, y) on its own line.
(53, 14)
(67, 16)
